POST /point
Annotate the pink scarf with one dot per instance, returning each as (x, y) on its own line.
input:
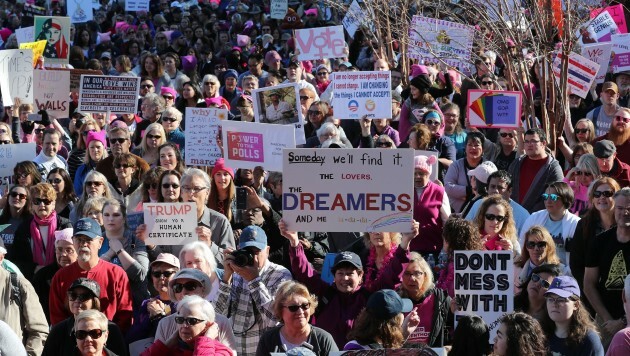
(38, 243)
(374, 273)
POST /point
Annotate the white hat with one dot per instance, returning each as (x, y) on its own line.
(483, 171)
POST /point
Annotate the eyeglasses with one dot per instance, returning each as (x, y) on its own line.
(93, 184)
(17, 195)
(533, 244)
(313, 112)
(432, 122)
(169, 185)
(81, 297)
(5, 142)
(38, 201)
(55, 181)
(506, 134)
(493, 217)
(167, 97)
(624, 119)
(85, 133)
(582, 131)
(146, 86)
(582, 173)
(605, 193)
(190, 321)
(166, 274)
(304, 97)
(193, 190)
(531, 142)
(39, 131)
(543, 283)
(117, 140)
(384, 144)
(486, 83)
(94, 334)
(450, 115)
(553, 197)
(3, 131)
(21, 175)
(169, 119)
(557, 301)
(295, 308)
(151, 185)
(154, 137)
(322, 73)
(123, 165)
(189, 286)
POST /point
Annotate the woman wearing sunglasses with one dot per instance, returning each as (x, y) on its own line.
(293, 305)
(169, 189)
(579, 179)
(531, 299)
(127, 179)
(15, 213)
(556, 217)
(94, 185)
(584, 132)
(171, 121)
(96, 143)
(64, 337)
(447, 153)
(495, 221)
(66, 197)
(154, 137)
(75, 159)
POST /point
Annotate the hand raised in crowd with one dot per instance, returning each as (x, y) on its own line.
(366, 125)
(505, 244)
(204, 234)
(454, 306)
(411, 322)
(292, 236)
(228, 262)
(142, 234)
(156, 307)
(613, 325)
(408, 236)
(15, 109)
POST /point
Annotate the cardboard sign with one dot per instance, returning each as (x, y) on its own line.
(52, 92)
(494, 108)
(616, 12)
(582, 73)
(137, 5)
(80, 11)
(202, 131)
(56, 31)
(600, 54)
(25, 34)
(170, 223)
(16, 75)
(354, 18)
(37, 47)
(248, 144)
(320, 43)
(484, 285)
(279, 9)
(434, 167)
(10, 155)
(357, 94)
(620, 53)
(338, 189)
(280, 105)
(101, 93)
(431, 38)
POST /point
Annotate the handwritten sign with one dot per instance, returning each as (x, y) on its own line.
(320, 43)
(137, 5)
(621, 52)
(494, 109)
(600, 54)
(582, 73)
(25, 34)
(279, 9)
(249, 144)
(431, 38)
(202, 131)
(170, 223)
(362, 93)
(37, 47)
(16, 75)
(616, 12)
(484, 285)
(52, 91)
(10, 155)
(101, 93)
(337, 189)
(354, 18)
(80, 11)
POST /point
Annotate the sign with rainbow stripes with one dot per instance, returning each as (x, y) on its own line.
(494, 109)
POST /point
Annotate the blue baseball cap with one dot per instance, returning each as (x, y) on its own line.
(564, 286)
(386, 304)
(253, 236)
(88, 227)
(347, 257)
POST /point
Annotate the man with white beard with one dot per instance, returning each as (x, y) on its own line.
(115, 290)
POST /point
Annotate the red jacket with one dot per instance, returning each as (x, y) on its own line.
(203, 346)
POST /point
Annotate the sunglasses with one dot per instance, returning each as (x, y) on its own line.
(506, 134)
(322, 73)
(81, 297)
(167, 97)
(146, 86)
(117, 140)
(493, 217)
(39, 131)
(384, 144)
(93, 184)
(190, 321)
(166, 274)
(169, 119)
(55, 181)
(486, 83)
(432, 122)
(169, 185)
(304, 97)
(6, 142)
(314, 112)
(553, 197)
(624, 119)
(189, 286)
(295, 308)
(582, 131)
(605, 193)
(533, 244)
(21, 175)
(118, 166)
(94, 334)
(582, 173)
(38, 201)
(17, 195)
(536, 279)
(154, 137)
(151, 185)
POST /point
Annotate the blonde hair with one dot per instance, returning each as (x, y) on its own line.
(550, 250)
(508, 230)
(416, 258)
(288, 289)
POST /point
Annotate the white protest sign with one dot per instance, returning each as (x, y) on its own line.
(49, 93)
(10, 155)
(494, 108)
(249, 144)
(101, 93)
(280, 105)
(80, 11)
(279, 9)
(320, 43)
(25, 35)
(354, 18)
(431, 38)
(600, 54)
(357, 94)
(202, 131)
(137, 5)
(16, 75)
(338, 189)
(170, 223)
(484, 285)
(582, 73)
(621, 50)
(599, 29)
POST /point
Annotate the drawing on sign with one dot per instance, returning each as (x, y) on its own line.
(56, 31)
(489, 108)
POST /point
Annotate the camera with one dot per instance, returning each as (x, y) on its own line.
(243, 258)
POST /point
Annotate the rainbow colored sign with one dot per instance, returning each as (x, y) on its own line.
(496, 109)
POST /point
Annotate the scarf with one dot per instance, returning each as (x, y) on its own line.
(373, 272)
(38, 243)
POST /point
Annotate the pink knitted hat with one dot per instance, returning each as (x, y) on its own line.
(424, 163)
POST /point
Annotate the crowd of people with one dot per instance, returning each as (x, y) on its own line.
(78, 278)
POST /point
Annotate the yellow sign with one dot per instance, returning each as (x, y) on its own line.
(37, 47)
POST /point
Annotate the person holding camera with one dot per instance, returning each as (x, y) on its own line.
(246, 293)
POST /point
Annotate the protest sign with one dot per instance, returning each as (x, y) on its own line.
(80, 11)
(354, 18)
(280, 105)
(56, 31)
(341, 189)
(431, 38)
(599, 29)
(616, 12)
(434, 165)
(137, 5)
(494, 109)
(484, 285)
(30, 11)
(202, 132)
(279, 9)
(10, 155)
(600, 54)
(101, 93)
(134, 220)
(581, 74)
(620, 53)
(249, 144)
(320, 43)
(25, 34)
(16, 75)
(37, 47)
(357, 94)
(170, 223)
(48, 91)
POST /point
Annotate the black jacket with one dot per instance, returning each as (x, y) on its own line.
(321, 341)
(61, 342)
